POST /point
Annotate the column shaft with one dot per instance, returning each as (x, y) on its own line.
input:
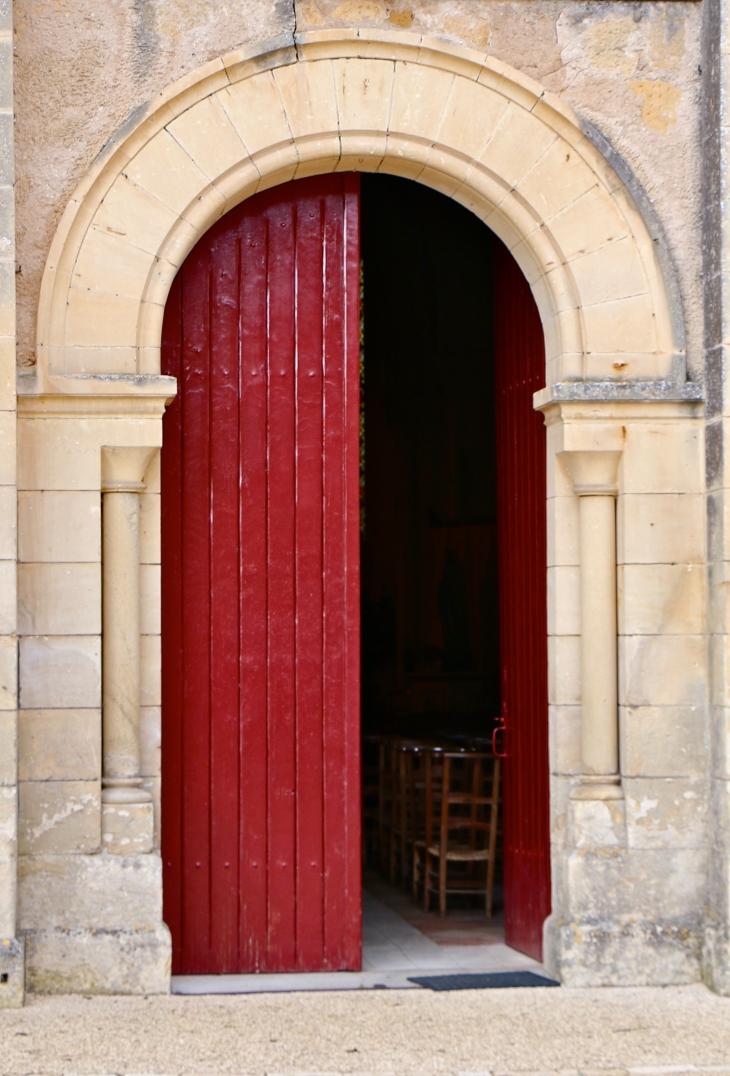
(599, 680)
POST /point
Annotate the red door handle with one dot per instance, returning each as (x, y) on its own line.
(500, 727)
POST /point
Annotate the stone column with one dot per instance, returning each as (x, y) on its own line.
(127, 813)
(594, 475)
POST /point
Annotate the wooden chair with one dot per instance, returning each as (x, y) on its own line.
(462, 809)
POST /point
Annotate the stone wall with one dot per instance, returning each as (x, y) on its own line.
(11, 950)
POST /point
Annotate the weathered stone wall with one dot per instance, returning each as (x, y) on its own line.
(11, 953)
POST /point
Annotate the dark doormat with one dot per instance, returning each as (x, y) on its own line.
(493, 980)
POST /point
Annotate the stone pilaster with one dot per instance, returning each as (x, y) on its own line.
(716, 257)
(127, 817)
(11, 947)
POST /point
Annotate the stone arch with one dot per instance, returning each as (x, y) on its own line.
(461, 122)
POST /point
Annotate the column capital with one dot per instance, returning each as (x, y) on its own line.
(122, 468)
(594, 473)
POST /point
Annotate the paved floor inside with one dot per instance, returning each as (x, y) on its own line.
(399, 940)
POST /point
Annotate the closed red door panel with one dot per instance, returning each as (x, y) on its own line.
(522, 527)
(260, 495)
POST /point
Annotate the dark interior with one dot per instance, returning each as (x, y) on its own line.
(430, 638)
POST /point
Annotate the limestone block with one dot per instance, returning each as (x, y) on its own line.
(61, 671)
(8, 672)
(7, 371)
(8, 442)
(8, 597)
(364, 90)
(150, 687)
(124, 961)
(718, 614)
(597, 824)
(563, 531)
(8, 822)
(623, 951)
(208, 137)
(611, 273)
(666, 812)
(105, 892)
(662, 670)
(564, 669)
(308, 94)
(59, 526)
(8, 747)
(590, 222)
(153, 785)
(8, 898)
(564, 600)
(557, 179)
(663, 741)
(719, 647)
(149, 587)
(565, 740)
(59, 745)
(65, 453)
(661, 528)
(660, 884)
(163, 168)
(149, 528)
(620, 325)
(152, 474)
(59, 599)
(661, 599)
(467, 120)
(518, 142)
(101, 359)
(12, 972)
(419, 99)
(561, 787)
(94, 318)
(127, 829)
(135, 215)
(108, 263)
(662, 458)
(255, 110)
(8, 522)
(59, 816)
(150, 738)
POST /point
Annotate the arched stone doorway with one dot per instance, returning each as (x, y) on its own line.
(471, 128)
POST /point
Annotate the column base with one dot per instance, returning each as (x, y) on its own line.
(598, 787)
(64, 961)
(127, 829)
(12, 973)
(622, 952)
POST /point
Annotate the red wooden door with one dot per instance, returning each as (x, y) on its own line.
(260, 598)
(522, 536)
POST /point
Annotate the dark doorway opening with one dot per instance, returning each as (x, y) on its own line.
(429, 523)
(452, 477)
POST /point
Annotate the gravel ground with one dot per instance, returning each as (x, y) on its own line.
(638, 1030)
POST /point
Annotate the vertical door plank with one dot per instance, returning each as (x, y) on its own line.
(281, 492)
(310, 284)
(224, 607)
(253, 838)
(351, 947)
(522, 535)
(195, 378)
